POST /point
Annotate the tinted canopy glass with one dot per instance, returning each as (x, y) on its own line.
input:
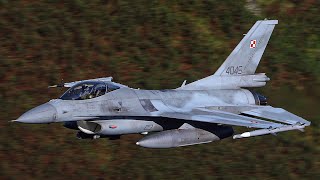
(85, 90)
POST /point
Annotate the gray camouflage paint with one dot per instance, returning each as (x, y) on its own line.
(195, 113)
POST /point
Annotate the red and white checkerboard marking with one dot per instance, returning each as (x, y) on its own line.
(253, 43)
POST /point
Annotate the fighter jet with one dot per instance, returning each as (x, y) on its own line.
(199, 112)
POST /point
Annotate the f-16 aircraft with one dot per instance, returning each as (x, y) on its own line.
(200, 112)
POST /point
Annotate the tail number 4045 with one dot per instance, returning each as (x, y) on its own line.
(234, 70)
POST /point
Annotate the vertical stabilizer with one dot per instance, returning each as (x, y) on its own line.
(238, 70)
(245, 58)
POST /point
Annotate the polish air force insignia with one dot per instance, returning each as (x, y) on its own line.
(253, 44)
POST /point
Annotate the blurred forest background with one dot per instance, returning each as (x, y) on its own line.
(153, 45)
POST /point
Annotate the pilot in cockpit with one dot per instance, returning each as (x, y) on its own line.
(88, 90)
(85, 92)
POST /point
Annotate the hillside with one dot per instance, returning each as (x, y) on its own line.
(153, 45)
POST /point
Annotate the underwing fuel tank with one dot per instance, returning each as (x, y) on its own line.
(178, 137)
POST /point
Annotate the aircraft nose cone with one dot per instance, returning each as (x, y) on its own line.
(44, 113)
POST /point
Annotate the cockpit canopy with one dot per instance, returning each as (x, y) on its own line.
(88, 90)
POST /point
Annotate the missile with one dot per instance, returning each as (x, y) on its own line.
(269, 131)
(56, 85)
(177, 138)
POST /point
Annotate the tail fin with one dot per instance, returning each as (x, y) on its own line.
(239, 68)
(245, 58)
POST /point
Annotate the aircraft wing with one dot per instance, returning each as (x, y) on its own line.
(288, 121)
(221, 117)
(276, 114)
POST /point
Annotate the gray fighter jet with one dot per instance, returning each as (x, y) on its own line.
(200, 112)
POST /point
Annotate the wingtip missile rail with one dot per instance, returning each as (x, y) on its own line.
(269, 131)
